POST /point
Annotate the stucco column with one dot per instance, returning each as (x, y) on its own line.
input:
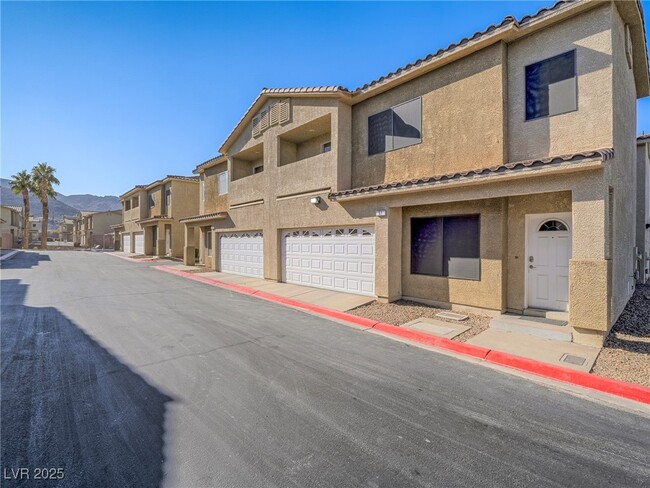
(117, 240)
(148, 241)
(188, 252)
(589, 266)
(160, 244)
(388, 256)
(213, 259)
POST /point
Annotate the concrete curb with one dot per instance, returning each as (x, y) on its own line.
(586, 380)
(141, 260)
(9, 255)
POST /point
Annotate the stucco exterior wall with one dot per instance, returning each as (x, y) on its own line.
(212, 201)
(589, 127)
(462, 122)
(487, 292)
(621, 174)
(643, 208)
(518, 208)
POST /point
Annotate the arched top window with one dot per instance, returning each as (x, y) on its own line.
(553, 225)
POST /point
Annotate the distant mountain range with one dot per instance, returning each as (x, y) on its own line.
(69, 205)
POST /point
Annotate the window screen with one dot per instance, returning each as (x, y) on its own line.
(551, 86)
(396, 127)
(446, 246)
(152, 203)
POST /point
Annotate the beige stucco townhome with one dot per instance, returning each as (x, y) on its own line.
(496, 174)
(643, 208)
(151, 213)
(11, 226)
(94, 228)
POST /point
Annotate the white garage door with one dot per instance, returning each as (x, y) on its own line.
(126, 242)
(139, 243)
(242, 253)
(341, 259)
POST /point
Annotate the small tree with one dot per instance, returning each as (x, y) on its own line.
(21, 183)
(43, 178)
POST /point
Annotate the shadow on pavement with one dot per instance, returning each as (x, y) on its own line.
(69, 403)
(25, 259)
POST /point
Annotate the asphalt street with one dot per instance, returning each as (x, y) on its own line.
(122, 375)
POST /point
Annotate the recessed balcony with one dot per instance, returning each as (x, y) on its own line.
(306, 141)
(248, 162)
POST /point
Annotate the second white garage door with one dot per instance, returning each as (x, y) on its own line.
(139, 242)
(341, 259)
(242, 253)
(126, 242)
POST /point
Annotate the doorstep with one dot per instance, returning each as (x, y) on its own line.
(558, 353)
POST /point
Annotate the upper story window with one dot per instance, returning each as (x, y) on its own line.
(327, 147)
(551, 86)
(152, 202)
(396, 127)
(127, 205)
(258, 169)
(222, 183)
(135, 202)
(168, 197)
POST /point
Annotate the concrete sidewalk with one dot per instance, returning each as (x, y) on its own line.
(307, 294)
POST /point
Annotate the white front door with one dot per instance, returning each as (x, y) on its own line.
(242, 253)
(341, 259)
(139, 242)
(548, 250)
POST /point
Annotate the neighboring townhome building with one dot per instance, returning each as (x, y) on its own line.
(35, 229)
(153, 226)
(497, 174)
(213, 207)
(129, 232)
(65, 230)
(95, 228)
(643, 208)
(11, 226)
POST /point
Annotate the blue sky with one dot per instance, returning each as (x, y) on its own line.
(118, 94)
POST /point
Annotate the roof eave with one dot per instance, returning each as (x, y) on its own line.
(265, 95)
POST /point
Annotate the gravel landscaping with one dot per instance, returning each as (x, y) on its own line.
(626, 354)
(403, 311)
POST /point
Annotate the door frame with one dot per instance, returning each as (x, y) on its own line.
(565, 217)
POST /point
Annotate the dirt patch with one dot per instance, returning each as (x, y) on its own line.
(403, 311)
(626, 353)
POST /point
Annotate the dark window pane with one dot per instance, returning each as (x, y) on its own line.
(380, 132)
(426, 246)
(407, 123)
(551, 86)
(461, 242)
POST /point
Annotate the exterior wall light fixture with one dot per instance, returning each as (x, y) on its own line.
(381, 212)
(315, 200)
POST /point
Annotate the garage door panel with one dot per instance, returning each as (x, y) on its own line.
(307, 259)
(242, 253)
(139, 243)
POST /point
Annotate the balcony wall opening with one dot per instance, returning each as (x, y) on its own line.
(306, 141)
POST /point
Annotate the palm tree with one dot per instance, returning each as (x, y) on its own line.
(43, 178)
(21, 183)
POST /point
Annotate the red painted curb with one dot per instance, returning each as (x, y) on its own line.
(587, 380)
(431, 340)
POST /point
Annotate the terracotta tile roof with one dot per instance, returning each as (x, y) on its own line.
(153, 218)
(136, 187)
(15, 208)
(306, 90)
(506, 22)
(176, 177)
(603, 154)
(210, 216)
(643, 137)
(217, 159)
